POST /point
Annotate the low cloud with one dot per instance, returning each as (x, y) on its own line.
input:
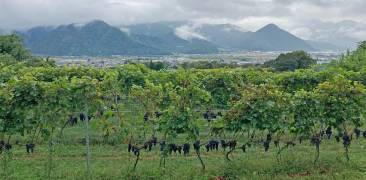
(188, 33)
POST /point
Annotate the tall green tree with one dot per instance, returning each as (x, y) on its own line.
(12, 45)
(291, 61)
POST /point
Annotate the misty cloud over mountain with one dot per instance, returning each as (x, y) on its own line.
(98, 38)
(333, 21)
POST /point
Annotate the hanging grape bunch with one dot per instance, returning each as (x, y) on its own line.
(243, 148)
(266, 146)
(346, 140)
(30, 148)
(196, 146)
(2, 144)
(209, 115)
(186, 149)
(162, 145)
(316, 140)
(146, 117)
(328, 132)
(212, 145)
(158, 114)
(267, 142)
(357, 132)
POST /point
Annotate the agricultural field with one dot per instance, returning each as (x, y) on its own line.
(133, 122)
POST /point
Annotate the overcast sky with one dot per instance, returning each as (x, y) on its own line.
(309, 19)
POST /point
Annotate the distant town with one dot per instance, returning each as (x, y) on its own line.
(240, 58)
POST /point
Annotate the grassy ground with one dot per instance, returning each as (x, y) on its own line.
(113, 162)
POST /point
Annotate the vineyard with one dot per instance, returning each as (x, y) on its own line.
(132, 122)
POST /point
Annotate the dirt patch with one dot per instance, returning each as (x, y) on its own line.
(300, 174)
(217, 178)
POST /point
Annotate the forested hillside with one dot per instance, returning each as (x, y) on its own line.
(98, 38)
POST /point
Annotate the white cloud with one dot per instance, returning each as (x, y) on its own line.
(126, 30)
(188, 33)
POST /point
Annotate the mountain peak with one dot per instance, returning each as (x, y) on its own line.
(273, 38)
(94, 23)
(270, 27)
(97, 23)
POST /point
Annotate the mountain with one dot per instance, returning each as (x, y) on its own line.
(156, 29)
(163, 35)
(268, 38)
(226, 36)
(95, 38)
(273, 38)
(207, 37)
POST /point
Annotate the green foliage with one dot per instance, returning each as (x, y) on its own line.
(181, 115)
(5, 108)
(150, 96)
(207, 65)
(12, 45)
(132, 74)
(54, 104)
(85, 94)
(291, 61)
(157, 66)
(307, 113)
(301, 79)
(343, 101)
(352, 61)
(262, 107)
(7, 59)
(362, 45)
(224, 85)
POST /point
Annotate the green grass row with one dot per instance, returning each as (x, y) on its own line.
(114, 162)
